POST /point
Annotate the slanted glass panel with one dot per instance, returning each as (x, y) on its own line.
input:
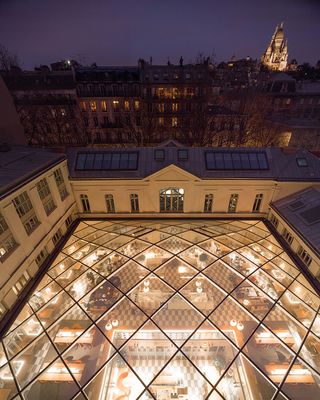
(245, 164)
(115, 161)
(253, 161)
(89, 161)
(235, 160)
(262, 159)
(106, 161)
(124, 160)
(98, 161)
(176, 310)
(81, 159)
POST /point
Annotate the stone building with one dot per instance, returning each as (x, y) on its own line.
(276, 55)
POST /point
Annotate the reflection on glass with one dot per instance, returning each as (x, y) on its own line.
(194, 310)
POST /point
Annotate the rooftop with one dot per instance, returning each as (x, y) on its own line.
(302, 211)
(22, 163)
(229, 163)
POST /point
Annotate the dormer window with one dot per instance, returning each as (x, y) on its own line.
(302, 162)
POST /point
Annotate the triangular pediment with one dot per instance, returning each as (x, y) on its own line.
(172, 173)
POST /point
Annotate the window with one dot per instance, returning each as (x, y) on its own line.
(85, 203)
(171, 200)
(57, 236)
(138, 121)
(93, 106)
(257, 203)
(110, 203)
(287, 236)
(7, 242)
(60, 183)
(134, 201)
(161, 121)
(182, 155)
(274, 221)
(224, 160)
(175, 93)
(41, 257)
(95, 122)
(103, 106)
(174, 107)
(116, 105)
(302, 162)
(45, 196)
(208, 203)
(137, 105)
(304, 256)
(17, 288)
(107, 160)
(174, 121)
(126, 105)
(161, 107)
(233, 202)
(26, 212)
(159, 155)
(68, 221)
(83, 106)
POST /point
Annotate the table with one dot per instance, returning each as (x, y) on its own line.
(59, 373)
(66, 335)
(297, 374)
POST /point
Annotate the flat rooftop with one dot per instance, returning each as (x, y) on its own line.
(22, 163)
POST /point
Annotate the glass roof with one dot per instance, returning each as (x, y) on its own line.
(163, 310)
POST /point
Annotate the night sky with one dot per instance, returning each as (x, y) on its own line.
(118, 32)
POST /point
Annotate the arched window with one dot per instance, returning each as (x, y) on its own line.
(171, 200)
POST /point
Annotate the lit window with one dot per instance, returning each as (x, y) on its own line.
(103, 106)
(126, 105)
(60, 183)
(233, 202)
(174, 121)
(287, 236)
(26, 212)
(45, 196)
(134, 202)
(274, 221)
(63, 112)
(304, 256)
(7, 241)
(161, 107)
(136, 105)
(83, 106)
(161, 121)
(110, 203)
(174, 107)
(171, 200)
(175, 93)
(93, 106)
(116, 105)
(208, 203)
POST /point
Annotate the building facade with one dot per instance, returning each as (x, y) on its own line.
(164, 272)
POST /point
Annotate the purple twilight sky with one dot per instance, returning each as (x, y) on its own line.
(118, 32)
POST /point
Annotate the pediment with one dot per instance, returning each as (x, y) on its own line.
(172, 173)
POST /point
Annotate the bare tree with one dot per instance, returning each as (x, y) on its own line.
(7, 60)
